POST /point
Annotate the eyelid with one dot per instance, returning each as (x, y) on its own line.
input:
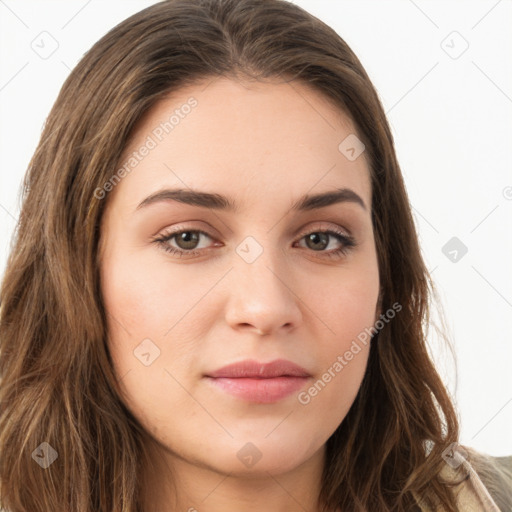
(192, 225)
(322, 226)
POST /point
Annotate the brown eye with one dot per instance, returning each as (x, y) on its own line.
(317, 241)
(187, 239)
(183, 243)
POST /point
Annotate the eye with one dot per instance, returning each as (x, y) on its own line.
(319, 240)
(186, 242)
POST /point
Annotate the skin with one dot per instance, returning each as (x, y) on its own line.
(264, 145)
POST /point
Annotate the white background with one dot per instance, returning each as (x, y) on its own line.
(452, 123)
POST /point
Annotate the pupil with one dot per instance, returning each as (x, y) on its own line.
(318, 238)
(189, 239)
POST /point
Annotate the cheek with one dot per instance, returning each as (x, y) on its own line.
(348, 305)
(145, 298)
(350, 316)
(147, 306)
(348, 311)
(343, 356)
(133, 309)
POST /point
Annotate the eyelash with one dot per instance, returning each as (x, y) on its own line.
(348, 243)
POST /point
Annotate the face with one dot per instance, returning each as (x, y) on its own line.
(233, 318)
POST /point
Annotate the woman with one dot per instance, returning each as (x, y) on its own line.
(216, 297)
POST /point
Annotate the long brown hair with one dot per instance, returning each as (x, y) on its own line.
(57, 382)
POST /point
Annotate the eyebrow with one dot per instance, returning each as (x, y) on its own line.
(220, 202)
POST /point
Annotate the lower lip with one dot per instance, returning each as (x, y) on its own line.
(263, 391)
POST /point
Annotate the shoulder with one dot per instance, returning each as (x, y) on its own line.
(480, 482)
(496, 475)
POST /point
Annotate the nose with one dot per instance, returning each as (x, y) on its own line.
(262, 298)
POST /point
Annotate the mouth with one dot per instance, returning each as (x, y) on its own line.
(256, 382)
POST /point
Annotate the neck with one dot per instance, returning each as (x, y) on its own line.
(174, 484)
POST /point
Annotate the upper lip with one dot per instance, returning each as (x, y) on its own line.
(254, 369)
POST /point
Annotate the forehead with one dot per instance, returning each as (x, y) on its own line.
(261, 139)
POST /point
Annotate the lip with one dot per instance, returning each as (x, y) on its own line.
(257, 382)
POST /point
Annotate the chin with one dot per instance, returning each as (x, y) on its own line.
(260, 456)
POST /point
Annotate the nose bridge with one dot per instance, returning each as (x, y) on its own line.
(261, 267)
(261, 294)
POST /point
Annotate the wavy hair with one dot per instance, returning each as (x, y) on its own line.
(57, 381)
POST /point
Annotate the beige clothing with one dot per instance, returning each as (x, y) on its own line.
(472, 494)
